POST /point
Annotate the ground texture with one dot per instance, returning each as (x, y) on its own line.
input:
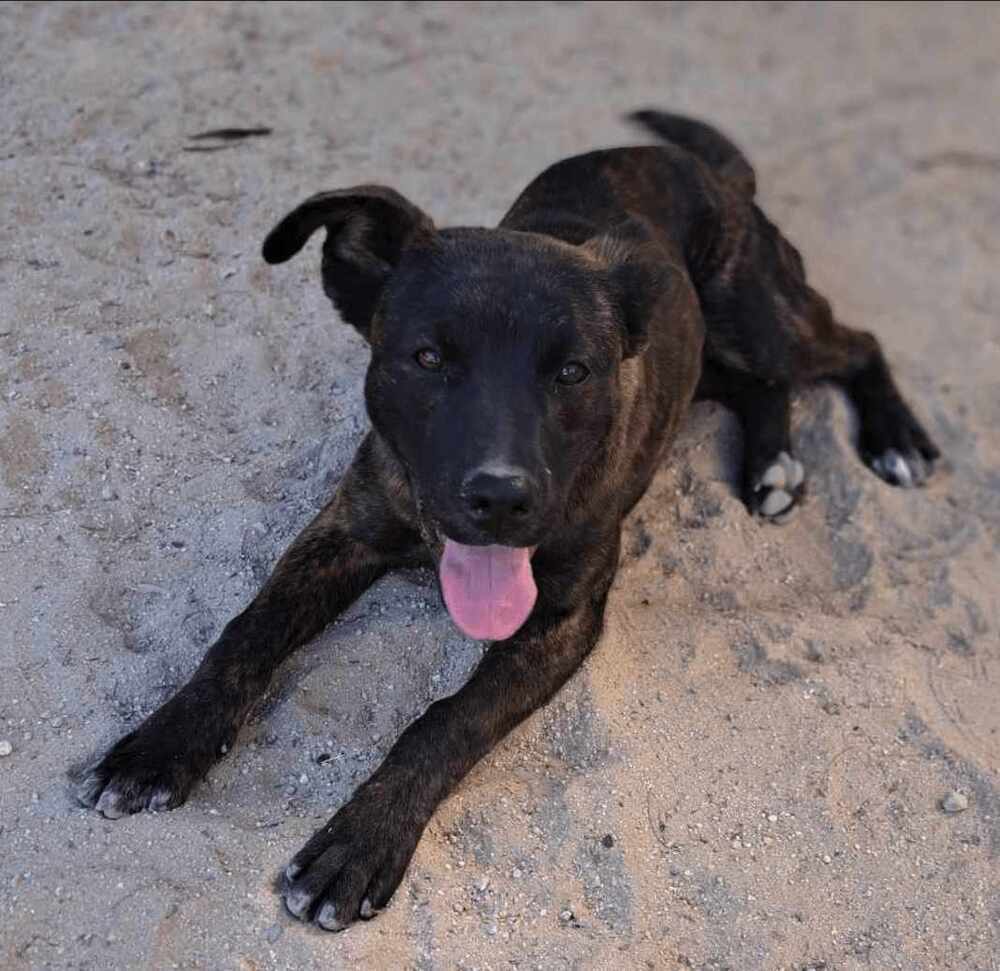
(748, 774)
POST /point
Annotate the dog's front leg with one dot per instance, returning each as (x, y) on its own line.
(352, 866)
(346, 547)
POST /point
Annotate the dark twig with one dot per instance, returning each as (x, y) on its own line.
(230, 134)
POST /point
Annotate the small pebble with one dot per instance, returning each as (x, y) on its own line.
(6, 748)
(827, 860)
(817, 651)
(608, 841)
(516, 873)
(955, 802)
(107, 493)
(272, 933)
(566, 915)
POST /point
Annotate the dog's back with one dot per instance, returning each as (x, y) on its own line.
(726, 161)
(681, 189)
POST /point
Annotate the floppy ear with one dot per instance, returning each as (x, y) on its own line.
(639, 275)
(367, 229)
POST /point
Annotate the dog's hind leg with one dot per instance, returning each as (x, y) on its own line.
(773, 480)
(346, 547)
(766, 321)
(766, 324)
(891, 440)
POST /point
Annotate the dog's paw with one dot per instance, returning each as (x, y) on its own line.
(142, 771)
(156, 766)
(353, 865)
(905, 470)
(896, 448)
(892, 467)
(774, 494)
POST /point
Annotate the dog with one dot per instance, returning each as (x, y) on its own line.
(525, 383)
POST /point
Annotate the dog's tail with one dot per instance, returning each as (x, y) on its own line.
(728, 163)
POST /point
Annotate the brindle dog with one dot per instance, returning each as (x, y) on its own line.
(525, 384)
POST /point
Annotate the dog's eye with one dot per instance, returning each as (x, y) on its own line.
(429, 359)
(572, 373)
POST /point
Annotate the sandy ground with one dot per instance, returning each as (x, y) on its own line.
(748, 772)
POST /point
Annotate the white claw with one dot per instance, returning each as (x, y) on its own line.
(774, 477)
(794, 472)
(327, 918)
(107, 805)
(895, 465)
(776, 502)
(297, 902)
(160, 799)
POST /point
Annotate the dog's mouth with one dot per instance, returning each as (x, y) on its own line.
(489, 590)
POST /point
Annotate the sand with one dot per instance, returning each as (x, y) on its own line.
(748, 773)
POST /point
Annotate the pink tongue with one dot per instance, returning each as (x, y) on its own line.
(488, 590)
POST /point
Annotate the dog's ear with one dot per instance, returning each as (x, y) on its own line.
(367, 229)
(639, 276)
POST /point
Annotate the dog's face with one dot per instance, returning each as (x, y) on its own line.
(494, 373)
(494, 377)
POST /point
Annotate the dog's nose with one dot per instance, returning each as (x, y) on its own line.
(496, 497)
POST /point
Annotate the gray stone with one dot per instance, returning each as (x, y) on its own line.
(955, 802)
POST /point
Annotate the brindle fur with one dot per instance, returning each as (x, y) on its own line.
(666, 266)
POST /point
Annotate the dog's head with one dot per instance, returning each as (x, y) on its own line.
(495, 364)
